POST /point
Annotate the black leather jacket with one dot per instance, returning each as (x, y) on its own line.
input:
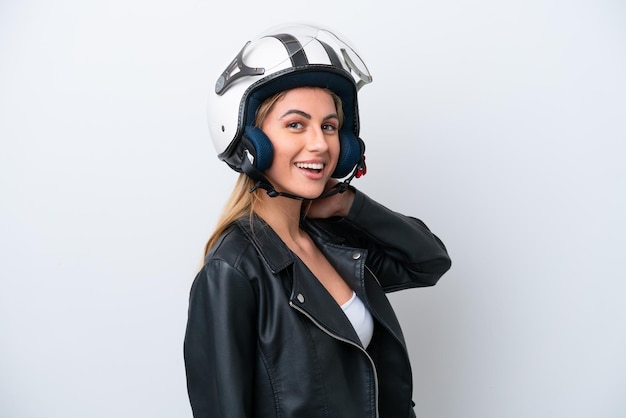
(265, 339)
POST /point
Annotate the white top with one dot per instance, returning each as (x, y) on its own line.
(360, 317)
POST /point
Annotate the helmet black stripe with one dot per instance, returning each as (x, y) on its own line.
(332, 55)
(294, 49)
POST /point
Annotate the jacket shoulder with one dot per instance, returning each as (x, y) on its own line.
(232, 247)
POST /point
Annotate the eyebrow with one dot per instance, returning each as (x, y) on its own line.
(306, 115)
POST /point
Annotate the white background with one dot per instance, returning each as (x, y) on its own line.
(500, 124)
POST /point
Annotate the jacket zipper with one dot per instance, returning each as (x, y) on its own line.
(373, 275)
(337, 337)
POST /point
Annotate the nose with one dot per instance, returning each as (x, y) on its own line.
(317, 140)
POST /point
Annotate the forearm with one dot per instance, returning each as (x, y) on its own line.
(397, 243)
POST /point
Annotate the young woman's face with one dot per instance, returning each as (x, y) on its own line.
(304, 130)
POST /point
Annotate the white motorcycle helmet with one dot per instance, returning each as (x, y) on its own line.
(282, 58)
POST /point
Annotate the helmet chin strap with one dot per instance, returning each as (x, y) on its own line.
(263, 183)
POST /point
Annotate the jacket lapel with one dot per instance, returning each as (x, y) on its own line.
(350, 263)
(310, 297)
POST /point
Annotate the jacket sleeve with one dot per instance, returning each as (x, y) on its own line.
(402, 251)
(220, 343)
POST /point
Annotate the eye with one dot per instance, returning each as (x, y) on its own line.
(295, 125)
(329, 127)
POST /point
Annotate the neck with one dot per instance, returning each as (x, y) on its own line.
(282, 214)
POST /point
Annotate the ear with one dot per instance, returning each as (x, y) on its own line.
(260, 146)
(350, 153)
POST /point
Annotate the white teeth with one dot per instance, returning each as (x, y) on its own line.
(312, 166)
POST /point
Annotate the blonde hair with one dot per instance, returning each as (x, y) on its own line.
(241, 201)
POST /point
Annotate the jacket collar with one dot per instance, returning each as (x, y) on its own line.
(267, 243)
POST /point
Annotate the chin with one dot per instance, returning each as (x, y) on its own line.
(309, 194)
(306, 191)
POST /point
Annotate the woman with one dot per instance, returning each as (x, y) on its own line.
(288, 316)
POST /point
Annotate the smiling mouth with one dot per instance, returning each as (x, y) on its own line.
(317, 167)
